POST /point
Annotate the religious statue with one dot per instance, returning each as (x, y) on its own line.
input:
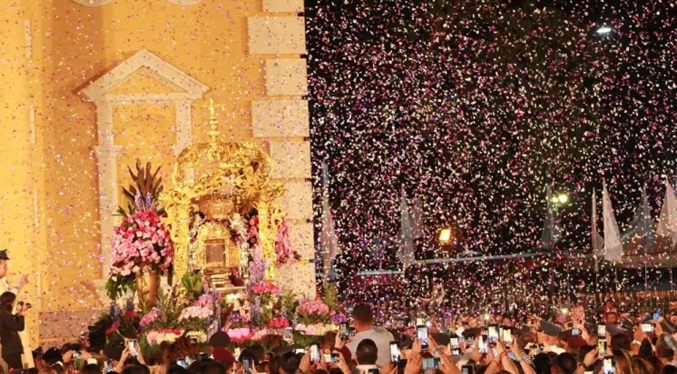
(220, 206)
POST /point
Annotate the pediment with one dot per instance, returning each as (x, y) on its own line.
(144, 76)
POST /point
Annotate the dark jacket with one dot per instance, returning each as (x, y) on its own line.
(10, 325)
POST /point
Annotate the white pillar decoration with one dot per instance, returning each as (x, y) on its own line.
(106, 150)
(184, 131)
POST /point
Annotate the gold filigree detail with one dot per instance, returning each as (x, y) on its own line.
(241, 167)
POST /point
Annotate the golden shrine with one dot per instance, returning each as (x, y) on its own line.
(214, 186)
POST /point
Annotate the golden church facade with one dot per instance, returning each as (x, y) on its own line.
(92, 85)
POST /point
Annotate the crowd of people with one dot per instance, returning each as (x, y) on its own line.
(562, 342)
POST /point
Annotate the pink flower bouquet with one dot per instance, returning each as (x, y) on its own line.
(265, 291)
(195, 317)
(312, 312)
(239, 335)
(141, 242)
(149, 318)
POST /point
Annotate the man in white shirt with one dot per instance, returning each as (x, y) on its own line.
(363, 322)
(4, 287)
(366, 356)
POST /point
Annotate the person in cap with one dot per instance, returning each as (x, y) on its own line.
(550, 337)
(27, 357)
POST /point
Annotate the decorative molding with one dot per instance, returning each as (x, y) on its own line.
(283, 6)
(277, 35)
(106, 150)
(92, 3)
(184, 2)
(28, 39)
(98, 90)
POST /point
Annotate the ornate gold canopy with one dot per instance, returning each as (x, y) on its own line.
(201, 170)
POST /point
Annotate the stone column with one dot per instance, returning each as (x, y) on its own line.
(106, 154)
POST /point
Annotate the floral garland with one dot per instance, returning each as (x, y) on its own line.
(283, 249)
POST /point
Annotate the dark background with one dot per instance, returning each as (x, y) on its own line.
(476, 106)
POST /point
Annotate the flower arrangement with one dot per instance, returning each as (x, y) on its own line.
(141, 243)
(235, 321)
(150, 318)
(278, 323)
(313, 312)
(239, 335)
(284, 253)
(265, 291)
(157, 337)
(338, 318)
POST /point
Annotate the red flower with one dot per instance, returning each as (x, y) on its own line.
(114, 327)
(131, 314)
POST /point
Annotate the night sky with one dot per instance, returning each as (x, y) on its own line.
(476, 106)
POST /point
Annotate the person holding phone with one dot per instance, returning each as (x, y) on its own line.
(364, 327)
(10, 325)
(27, 359)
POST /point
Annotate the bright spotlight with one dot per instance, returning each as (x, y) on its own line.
(604, 30)
(445, 235)
(565, 311)
(563, 198)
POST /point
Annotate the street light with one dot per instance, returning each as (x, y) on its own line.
(445, 235)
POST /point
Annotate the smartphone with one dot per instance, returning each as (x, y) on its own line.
(77, 355)
(247, 364)
(601, 344)
(133, 348)
(238, 352)
(453, 342)
(647, 327)
(346, 331)
(422, 334)
(431, 363)
(575, 332)
(456, 351)
(601, 331)
(288, 334)
(394, 352)
(512, 356)
(314, 353)
(493, 332)
(182, 362)
(467, 369)
(483, 344)
(420, 322)
(107, 367)
(331, 358)
(507, 336)
(657, 315)
(299, 351)
(609, 366)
